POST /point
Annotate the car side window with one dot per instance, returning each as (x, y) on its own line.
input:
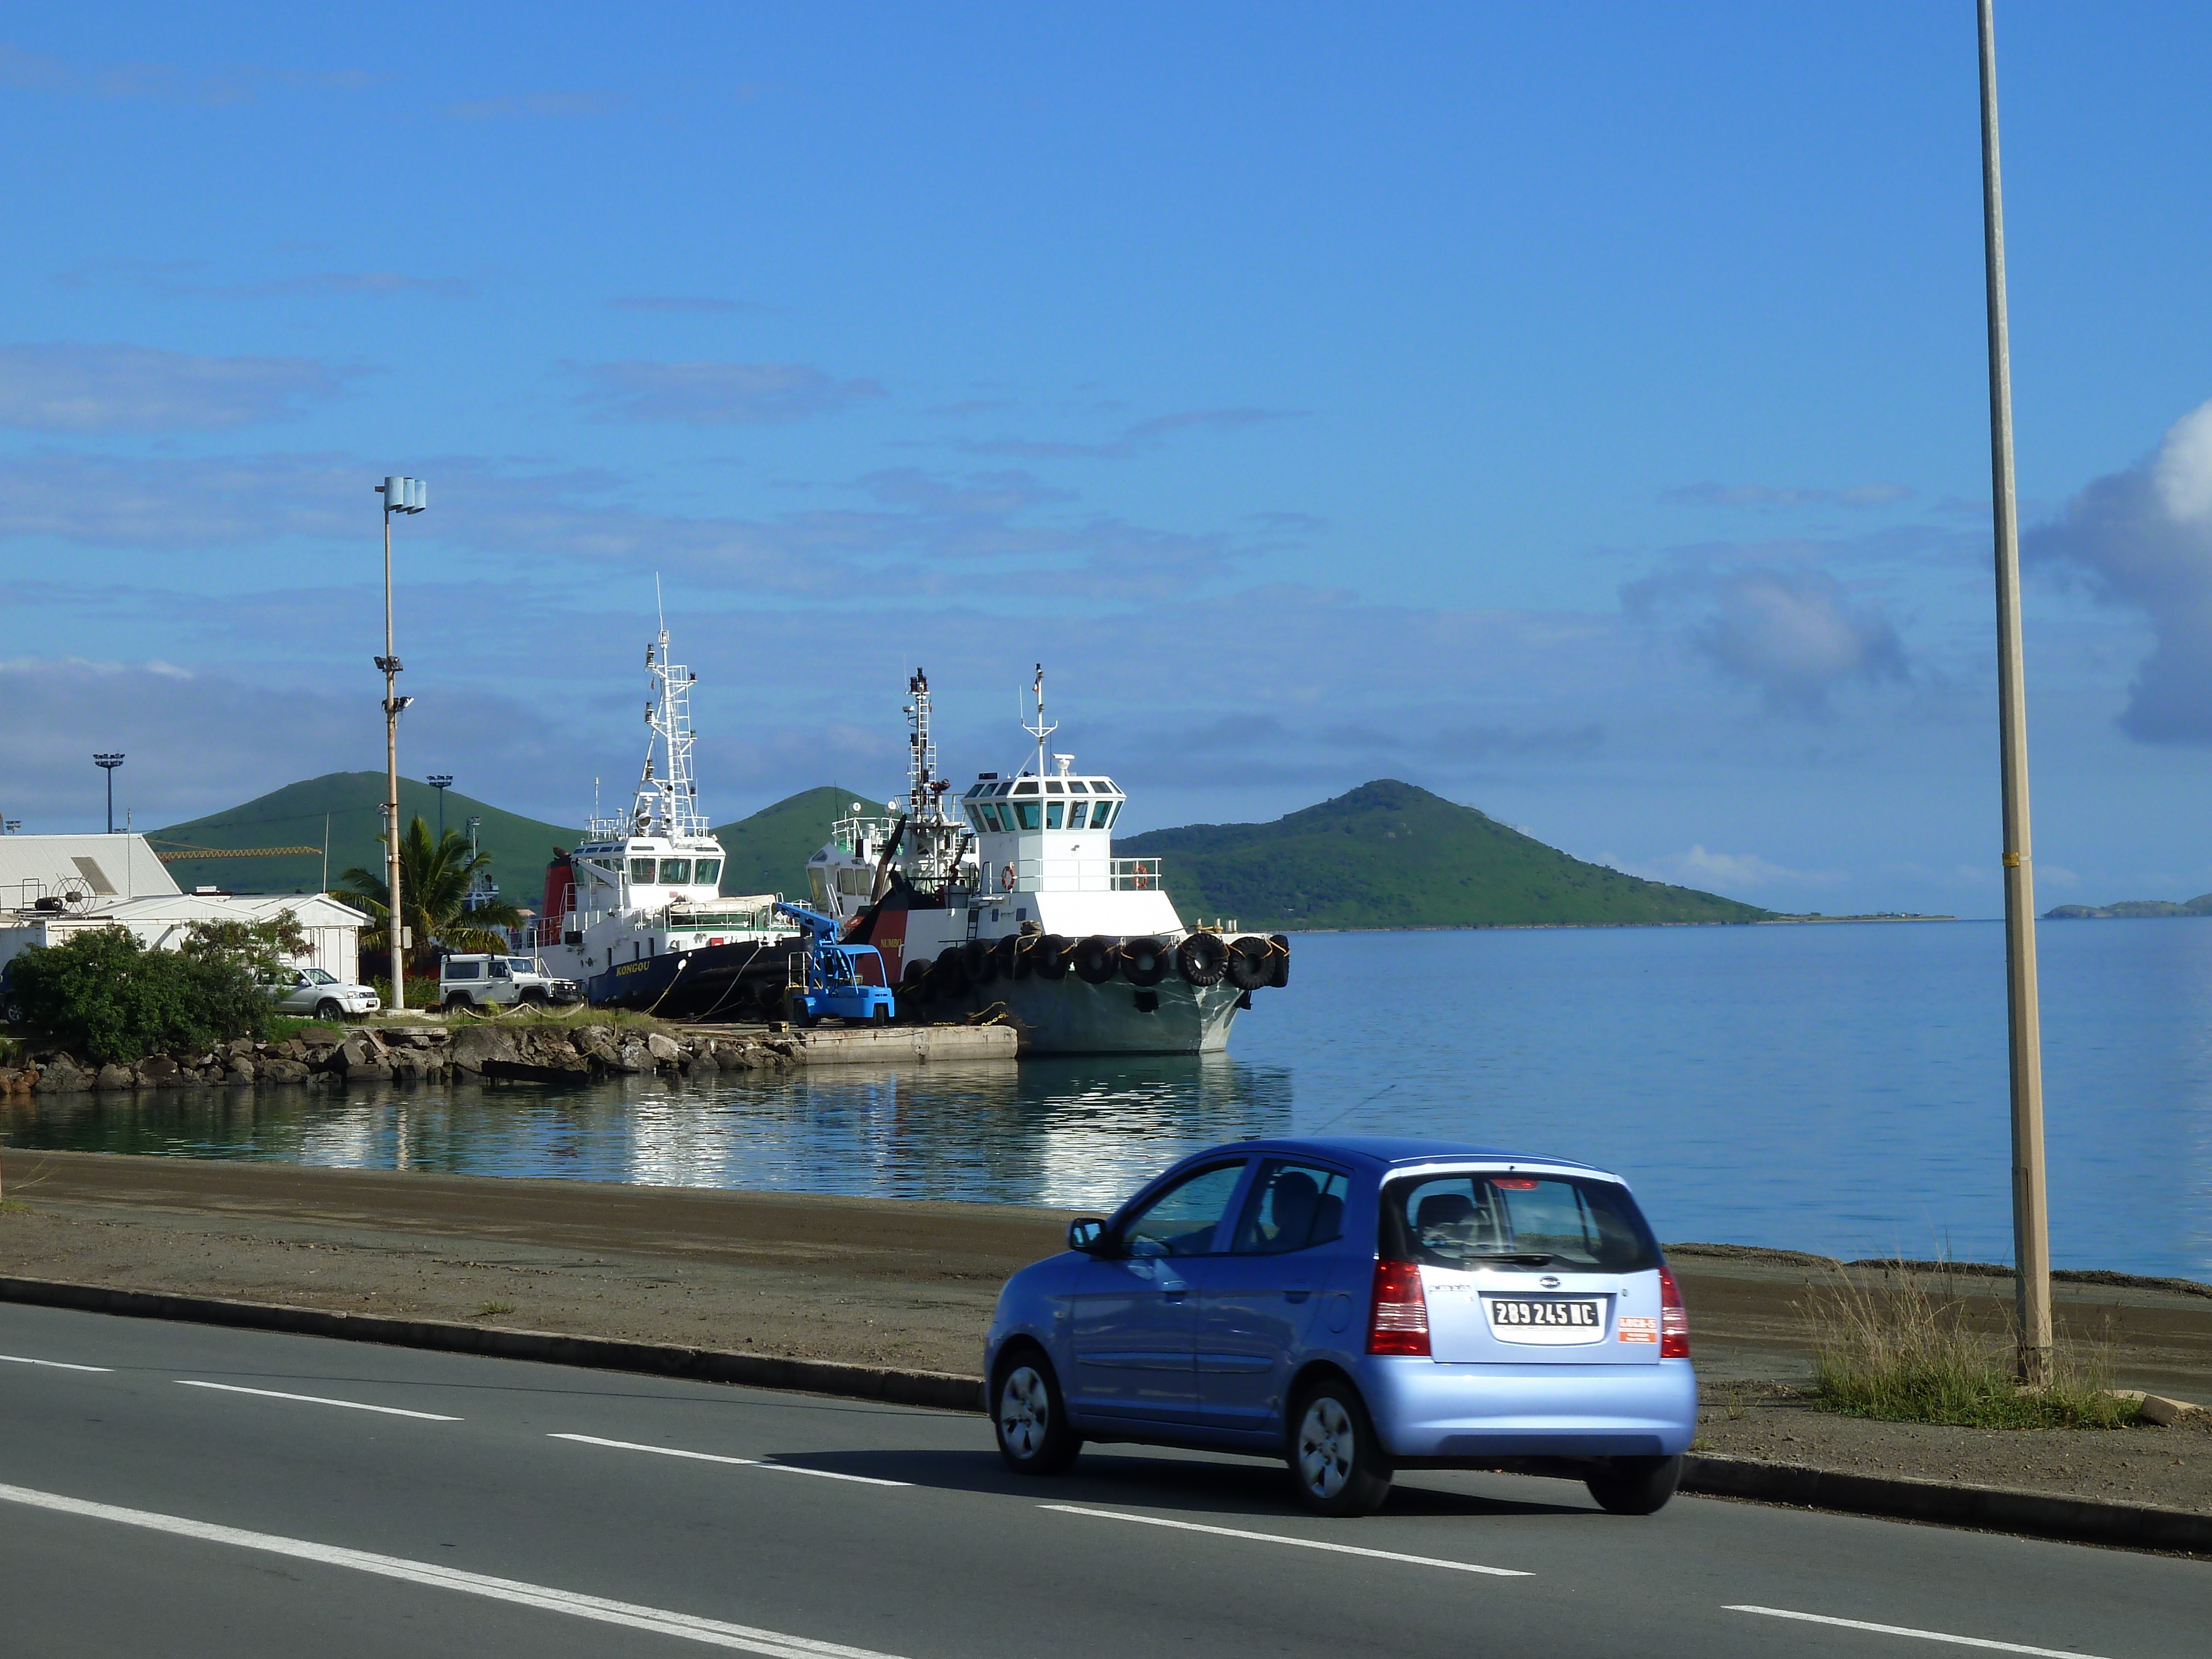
(1293, 1206)
(1184, 1219)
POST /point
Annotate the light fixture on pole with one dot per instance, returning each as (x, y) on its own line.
(2030, 1217)
(400, 495)
(440, 781)
(107, 763)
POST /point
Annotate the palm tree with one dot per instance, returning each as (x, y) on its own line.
(434, 883)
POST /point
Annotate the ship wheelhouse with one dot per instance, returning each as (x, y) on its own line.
(1051, 834)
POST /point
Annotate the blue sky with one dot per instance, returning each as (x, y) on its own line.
(1579, 411)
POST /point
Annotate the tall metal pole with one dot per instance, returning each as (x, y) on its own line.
(393, 924)
(2031, 1221)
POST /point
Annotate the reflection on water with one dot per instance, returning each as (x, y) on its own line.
(1840, 1089)
(1053, 1132)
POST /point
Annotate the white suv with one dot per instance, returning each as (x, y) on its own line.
(500, 983)
(311, 991)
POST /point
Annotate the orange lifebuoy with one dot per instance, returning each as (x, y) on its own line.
(1006, 877)
(1143, 881)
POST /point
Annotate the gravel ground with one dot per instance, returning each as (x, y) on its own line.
(912, 1284)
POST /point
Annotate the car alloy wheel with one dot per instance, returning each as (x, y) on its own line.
(1030, 1419)
(1335, 1456)
(1024, 1412)
(1326, 1442)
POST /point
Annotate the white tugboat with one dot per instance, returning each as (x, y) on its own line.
(1016, 900)
(635, 913)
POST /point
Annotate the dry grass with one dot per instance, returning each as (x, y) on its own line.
(1909, 1349)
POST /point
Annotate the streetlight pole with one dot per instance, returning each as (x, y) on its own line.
(2030, 1218)
(107, 763)
(400, 495)
(440, 781)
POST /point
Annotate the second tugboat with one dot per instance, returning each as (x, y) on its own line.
(1017, 901)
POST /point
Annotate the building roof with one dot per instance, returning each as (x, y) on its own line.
(113, 867)
(312, 909)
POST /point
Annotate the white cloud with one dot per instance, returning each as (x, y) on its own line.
(118, 388)
(2143, 539)
(721, 394)
(1794, 635)
(1723, 872)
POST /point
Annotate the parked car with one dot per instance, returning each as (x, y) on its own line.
(324, 996)
(1357, 1306)
(488, 981)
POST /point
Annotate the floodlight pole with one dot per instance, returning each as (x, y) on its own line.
(440, 781)
(400, 495)
(2031, 1217)
(107, 763)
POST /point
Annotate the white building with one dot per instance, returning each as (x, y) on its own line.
(53, 886)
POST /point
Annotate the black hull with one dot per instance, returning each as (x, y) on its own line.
(716, 982)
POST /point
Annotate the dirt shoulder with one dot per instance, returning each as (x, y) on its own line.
(912, 1284)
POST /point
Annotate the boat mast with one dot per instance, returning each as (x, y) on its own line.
(667, 801)
(1039, 729)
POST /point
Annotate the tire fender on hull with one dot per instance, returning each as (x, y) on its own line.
(1145, 961)
(1097, 960)
(1249, 967)
(1203, 958)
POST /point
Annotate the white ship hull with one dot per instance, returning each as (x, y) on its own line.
(1071, 1016)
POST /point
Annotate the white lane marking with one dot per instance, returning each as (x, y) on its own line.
(319, 1400)
(713, 1457)
(1296, 1543)
(54, 1365)
(691, 1627)
(1907, 1630)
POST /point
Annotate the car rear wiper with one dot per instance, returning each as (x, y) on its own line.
(1518, 1258)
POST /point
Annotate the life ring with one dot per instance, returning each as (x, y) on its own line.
(1006, 877)
(1142, 881)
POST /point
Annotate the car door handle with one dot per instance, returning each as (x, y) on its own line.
(1174, 1289)
(1297, 1292)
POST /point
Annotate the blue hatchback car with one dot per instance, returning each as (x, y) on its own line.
(1358, 1305)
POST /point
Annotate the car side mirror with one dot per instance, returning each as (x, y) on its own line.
(1086, 1233)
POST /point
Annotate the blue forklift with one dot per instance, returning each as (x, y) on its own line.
(847, 981)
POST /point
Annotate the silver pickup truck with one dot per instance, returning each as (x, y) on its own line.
(485, 981)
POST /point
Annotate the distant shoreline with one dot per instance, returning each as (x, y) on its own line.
(1539, 927)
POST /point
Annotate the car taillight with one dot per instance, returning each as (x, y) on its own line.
(1674, 1321)
(1400, 1322)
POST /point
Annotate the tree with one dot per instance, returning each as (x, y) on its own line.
(434, 883)
(103, 994)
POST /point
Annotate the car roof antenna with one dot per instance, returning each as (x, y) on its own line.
(1354, 1107)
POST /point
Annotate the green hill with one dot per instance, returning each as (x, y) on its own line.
(1390, 855)
(768, 852)
(294, 817)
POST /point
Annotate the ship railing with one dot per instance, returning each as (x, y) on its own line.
(1134, 875)
(1056, 875)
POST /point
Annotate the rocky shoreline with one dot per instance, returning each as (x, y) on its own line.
(322, 1055)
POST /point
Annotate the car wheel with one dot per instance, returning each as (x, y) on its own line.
(534, 997)
(1336, 1459)
(1030, 1419)
(456, 1001)
(1635, 1486)
(327, 1008)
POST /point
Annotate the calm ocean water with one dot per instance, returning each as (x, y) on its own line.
(1838, 1088)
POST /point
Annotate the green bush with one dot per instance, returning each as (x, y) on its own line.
(106, 997)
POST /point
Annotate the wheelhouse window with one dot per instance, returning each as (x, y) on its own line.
(707, 872)
(1055, 787)
(1027, 787)
(1077, 787)
(1101, 813)
(641, 870)
(1025, 814)
(675, 873)
(1052, 810)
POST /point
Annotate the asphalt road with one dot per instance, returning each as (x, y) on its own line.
(178, 1490)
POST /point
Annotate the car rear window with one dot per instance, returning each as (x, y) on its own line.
(1510, 1219)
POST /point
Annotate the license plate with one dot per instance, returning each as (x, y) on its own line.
(1510, 1318)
